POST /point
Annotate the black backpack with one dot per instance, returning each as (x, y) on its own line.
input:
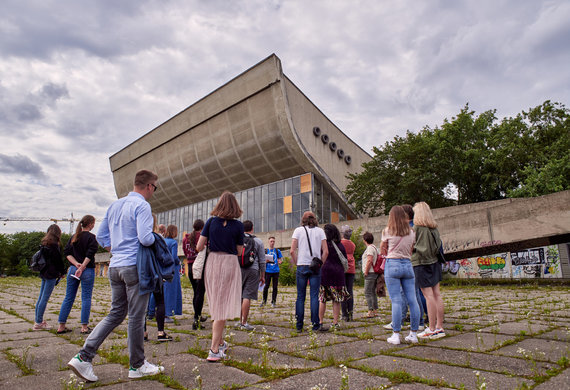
(38, 261)
(249, 254)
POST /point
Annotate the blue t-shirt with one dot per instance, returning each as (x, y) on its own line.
(273, 268)
(223, 238)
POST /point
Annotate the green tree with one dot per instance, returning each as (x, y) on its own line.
(483, 160)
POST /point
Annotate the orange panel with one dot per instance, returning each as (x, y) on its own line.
(334, 217)
(306, 183)
(287, 204)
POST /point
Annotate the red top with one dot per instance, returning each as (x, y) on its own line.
(349, 247)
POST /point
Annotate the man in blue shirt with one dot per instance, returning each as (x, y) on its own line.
(127, 224)
(272, 272)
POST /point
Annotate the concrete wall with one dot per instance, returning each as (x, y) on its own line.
(492, 229)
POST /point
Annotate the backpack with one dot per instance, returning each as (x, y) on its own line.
(249, 254)
(378, 266)
(38, 261)
(189, 252)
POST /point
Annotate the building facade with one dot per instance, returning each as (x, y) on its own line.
(257, 136)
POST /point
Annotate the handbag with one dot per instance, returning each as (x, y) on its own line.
(316, 263)
(380, 264)
(439, 254)
(200, 262)
(341, 257)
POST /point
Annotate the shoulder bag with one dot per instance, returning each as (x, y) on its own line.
(316, 263)
(341, 257)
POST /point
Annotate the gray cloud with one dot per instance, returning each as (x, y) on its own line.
(20, 165)
(81, 80)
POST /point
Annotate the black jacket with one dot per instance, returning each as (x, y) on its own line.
(85, 246)
(54, 263)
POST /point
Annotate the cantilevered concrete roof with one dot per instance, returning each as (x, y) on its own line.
(256, 129)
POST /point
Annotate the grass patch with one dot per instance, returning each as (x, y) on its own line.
(23, 362)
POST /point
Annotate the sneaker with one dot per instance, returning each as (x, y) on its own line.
(247, 327)
(426, 333)
(42, 326)
(323, 328)
(145, 370)
(437, 334)
(82, 369)
(389, 326)
(421, 327)
(224, 347)
(273, 305)
(164, 337)
(412, 338)
(215, 357)
(394, 339)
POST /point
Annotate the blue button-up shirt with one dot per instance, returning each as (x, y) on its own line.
(127, 222)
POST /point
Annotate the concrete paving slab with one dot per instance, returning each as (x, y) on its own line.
(478, 361)
(560, 381)
(516, 328)
(457, 376)
(556, 334)
(271, 359)
(185, 367)
(331, 377)
(537, 349)
(476, 341)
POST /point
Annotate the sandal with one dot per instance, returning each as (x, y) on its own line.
(65, 330)
(89, 330)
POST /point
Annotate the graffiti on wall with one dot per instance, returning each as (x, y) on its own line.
(543, 262)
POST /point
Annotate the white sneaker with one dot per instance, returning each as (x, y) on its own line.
(421, 327)
(426, 334)
(412, 338)
(388, 326)
(439, 333)
(394, 339)
(145, 370)
(215, 356)
(247, 327)
(82, 369)
(223, 347)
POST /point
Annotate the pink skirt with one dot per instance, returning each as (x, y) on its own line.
(223, 286)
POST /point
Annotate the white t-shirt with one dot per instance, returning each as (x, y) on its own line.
(371, 250)
(317, 235)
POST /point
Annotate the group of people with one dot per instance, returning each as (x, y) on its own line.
(412, 273)
(324, 259)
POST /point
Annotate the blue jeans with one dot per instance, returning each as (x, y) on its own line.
(125, 299)
(87, 280)
(405, 304)
(304, 275)
(400, 274)
(45, 292)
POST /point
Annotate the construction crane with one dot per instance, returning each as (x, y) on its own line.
(71, 220)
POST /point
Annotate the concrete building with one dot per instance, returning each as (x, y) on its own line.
(257, 136)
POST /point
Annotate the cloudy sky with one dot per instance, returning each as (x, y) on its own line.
(79, 80)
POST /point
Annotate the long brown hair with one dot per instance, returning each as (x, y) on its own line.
(398, 222)
(53, 235)
(227, 207)
(171, 231)
(197, 226)
(85, 221)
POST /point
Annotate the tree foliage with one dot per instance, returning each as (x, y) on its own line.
(474, 157)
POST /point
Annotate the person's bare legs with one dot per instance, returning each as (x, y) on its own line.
(336, 311)
(245, 303)
(322, 309)
(439, 306)
(431, 306)
(217, 335)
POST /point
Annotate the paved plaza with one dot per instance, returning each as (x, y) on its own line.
(498, 337)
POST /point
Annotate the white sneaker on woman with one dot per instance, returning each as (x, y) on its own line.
(412, 338)
(394, 339)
